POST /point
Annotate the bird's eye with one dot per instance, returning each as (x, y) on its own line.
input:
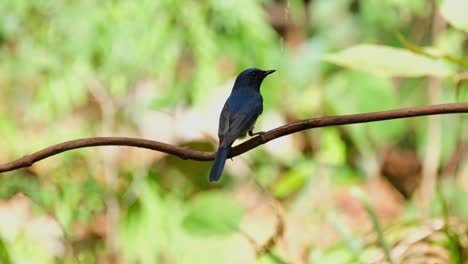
(253, 73)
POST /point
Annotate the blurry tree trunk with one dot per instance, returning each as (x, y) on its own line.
(432, 156)
(292, 28)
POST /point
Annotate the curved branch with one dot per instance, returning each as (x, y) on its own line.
(187, 153)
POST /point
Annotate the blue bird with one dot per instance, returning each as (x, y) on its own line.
(239, 114)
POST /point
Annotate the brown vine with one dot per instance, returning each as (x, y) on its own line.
(187, 153)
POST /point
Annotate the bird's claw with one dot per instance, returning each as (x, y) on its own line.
(256, 133)
(260, 134)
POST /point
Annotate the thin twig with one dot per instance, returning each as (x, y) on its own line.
(273, 239)
(187, 153)
(418, 50)
(267, 247)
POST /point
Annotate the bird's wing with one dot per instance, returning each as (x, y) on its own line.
(234, 124)
(224, 122)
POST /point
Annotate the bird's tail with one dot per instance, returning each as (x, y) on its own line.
(218, 164)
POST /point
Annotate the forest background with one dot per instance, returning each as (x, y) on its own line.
(381, 192)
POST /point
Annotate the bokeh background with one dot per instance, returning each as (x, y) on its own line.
(382, 192)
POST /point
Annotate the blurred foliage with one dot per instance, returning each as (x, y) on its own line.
(161, 69)
(223, 219)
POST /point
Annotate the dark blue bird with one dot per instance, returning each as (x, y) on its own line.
(239, 114)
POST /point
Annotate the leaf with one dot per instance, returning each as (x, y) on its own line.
(213, 214)
(359, 194)
(293, 180)
(333, 150)
(388, 61)
(454, 11)
(4, 254)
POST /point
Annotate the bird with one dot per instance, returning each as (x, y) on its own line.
(242, 108)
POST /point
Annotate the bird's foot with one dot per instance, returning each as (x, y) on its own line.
(260, 134)
(251, 133)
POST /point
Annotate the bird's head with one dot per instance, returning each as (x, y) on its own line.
(251, 78)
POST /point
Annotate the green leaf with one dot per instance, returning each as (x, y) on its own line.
(333, 149)
(293, 180)
(289, 184)
(389, 61)
(213, 214)
(4, 254)
(359, 194)
(454, 11)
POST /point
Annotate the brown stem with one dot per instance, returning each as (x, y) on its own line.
(187, 153)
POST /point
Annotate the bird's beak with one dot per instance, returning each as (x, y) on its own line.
(266, 73)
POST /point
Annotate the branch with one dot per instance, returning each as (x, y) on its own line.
(187, 153)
